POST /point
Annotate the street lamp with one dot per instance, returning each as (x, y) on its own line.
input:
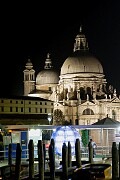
(49, 118)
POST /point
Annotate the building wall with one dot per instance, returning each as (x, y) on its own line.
(25, 110)
(25, 106)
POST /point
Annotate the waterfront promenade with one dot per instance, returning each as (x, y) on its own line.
(27, 167)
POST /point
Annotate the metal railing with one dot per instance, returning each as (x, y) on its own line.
(101, 151)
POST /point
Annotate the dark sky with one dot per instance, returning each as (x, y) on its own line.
(32, 30)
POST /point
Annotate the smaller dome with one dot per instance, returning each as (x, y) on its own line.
(47, 76)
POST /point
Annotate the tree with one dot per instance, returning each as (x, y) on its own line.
(58, 117)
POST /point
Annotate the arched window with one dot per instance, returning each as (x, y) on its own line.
(88, 111)
(88, 90)
(82, 93)
(113, 114)
(76, 122)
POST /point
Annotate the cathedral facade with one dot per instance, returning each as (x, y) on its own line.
(80, 93)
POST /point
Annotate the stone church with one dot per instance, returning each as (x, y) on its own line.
(80, 93)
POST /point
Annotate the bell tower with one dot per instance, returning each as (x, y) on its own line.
(29, 78)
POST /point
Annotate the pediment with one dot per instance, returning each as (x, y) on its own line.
(88, 103)
(115, 100)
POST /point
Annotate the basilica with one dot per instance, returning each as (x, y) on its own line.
(80, 93)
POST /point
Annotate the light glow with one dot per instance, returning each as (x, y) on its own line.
(65, 134)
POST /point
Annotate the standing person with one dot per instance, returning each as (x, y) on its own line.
(94, 145)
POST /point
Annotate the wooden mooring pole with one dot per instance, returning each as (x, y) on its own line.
(90, 152)
(31, 159)
(114, 161)
(10, 158)
(78, 153)
(64, 162)
(119, 160)
(41, 159)
(52, 159)
(18, 162)
(69, 155)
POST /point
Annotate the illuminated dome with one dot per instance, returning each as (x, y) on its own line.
(81, 60)
(65, 134)
(48, 75)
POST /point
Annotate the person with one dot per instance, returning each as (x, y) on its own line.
(94, 145)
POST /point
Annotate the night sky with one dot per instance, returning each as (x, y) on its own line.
(33, 30)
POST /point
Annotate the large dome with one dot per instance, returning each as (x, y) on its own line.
(47, 76)
(81, 62)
